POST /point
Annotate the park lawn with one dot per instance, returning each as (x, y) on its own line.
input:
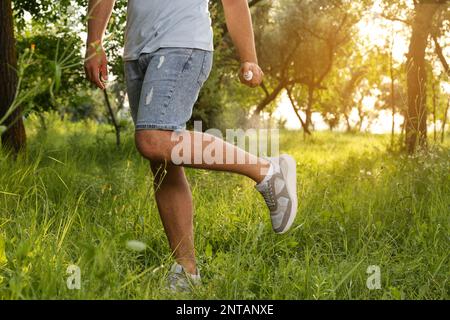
(76, 199)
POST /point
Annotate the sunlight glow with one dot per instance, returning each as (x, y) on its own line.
(374, 31)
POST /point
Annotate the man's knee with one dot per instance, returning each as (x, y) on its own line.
(151, 144)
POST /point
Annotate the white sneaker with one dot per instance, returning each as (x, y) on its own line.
(182, 281)
(280, 193)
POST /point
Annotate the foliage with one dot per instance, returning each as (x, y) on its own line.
(325, 65)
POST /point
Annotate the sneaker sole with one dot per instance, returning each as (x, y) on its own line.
(291, 186)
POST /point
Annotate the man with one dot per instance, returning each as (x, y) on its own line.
(168, 56)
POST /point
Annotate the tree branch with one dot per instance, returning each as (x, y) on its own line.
(395, 19)
(441, 55)
(263, 86)
(313, 33)
(296, 110)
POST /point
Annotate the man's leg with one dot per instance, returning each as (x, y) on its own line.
(157, 145)
(172, 192)
(174, 200)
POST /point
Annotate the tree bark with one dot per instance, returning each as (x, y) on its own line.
(347, 122)
(264, 102)
(361, 119)
(14, 138)
(440, 55)
(416, 117)
(113, 117)
(434, 113)
(308, 111)
(297, 112)
(444, 121)
(391, 69)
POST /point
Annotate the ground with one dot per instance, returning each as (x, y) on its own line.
(76, 199)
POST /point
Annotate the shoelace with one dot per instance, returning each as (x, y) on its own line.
(269, 197)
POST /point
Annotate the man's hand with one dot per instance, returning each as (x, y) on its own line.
(251, 74)
(239, 23)
(96, 65)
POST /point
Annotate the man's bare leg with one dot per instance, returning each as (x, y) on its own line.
(174, 200)
(157, 145)
(172, 192)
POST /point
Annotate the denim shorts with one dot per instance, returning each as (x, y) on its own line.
(163, 86)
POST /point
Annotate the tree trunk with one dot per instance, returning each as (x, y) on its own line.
(268, 99)
(360, 122)
(113, 117)
(416, 117)
(297, 112)
(308, 111)
(440, 55)
(391, 67)
(255, 118)
(13, 138)
(444, 121)
(402, 127)
(347, 122)
(434, 113)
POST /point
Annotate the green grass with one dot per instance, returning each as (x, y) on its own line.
(76, 199)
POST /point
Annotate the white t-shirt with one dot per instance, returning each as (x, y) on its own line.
(154, 24)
